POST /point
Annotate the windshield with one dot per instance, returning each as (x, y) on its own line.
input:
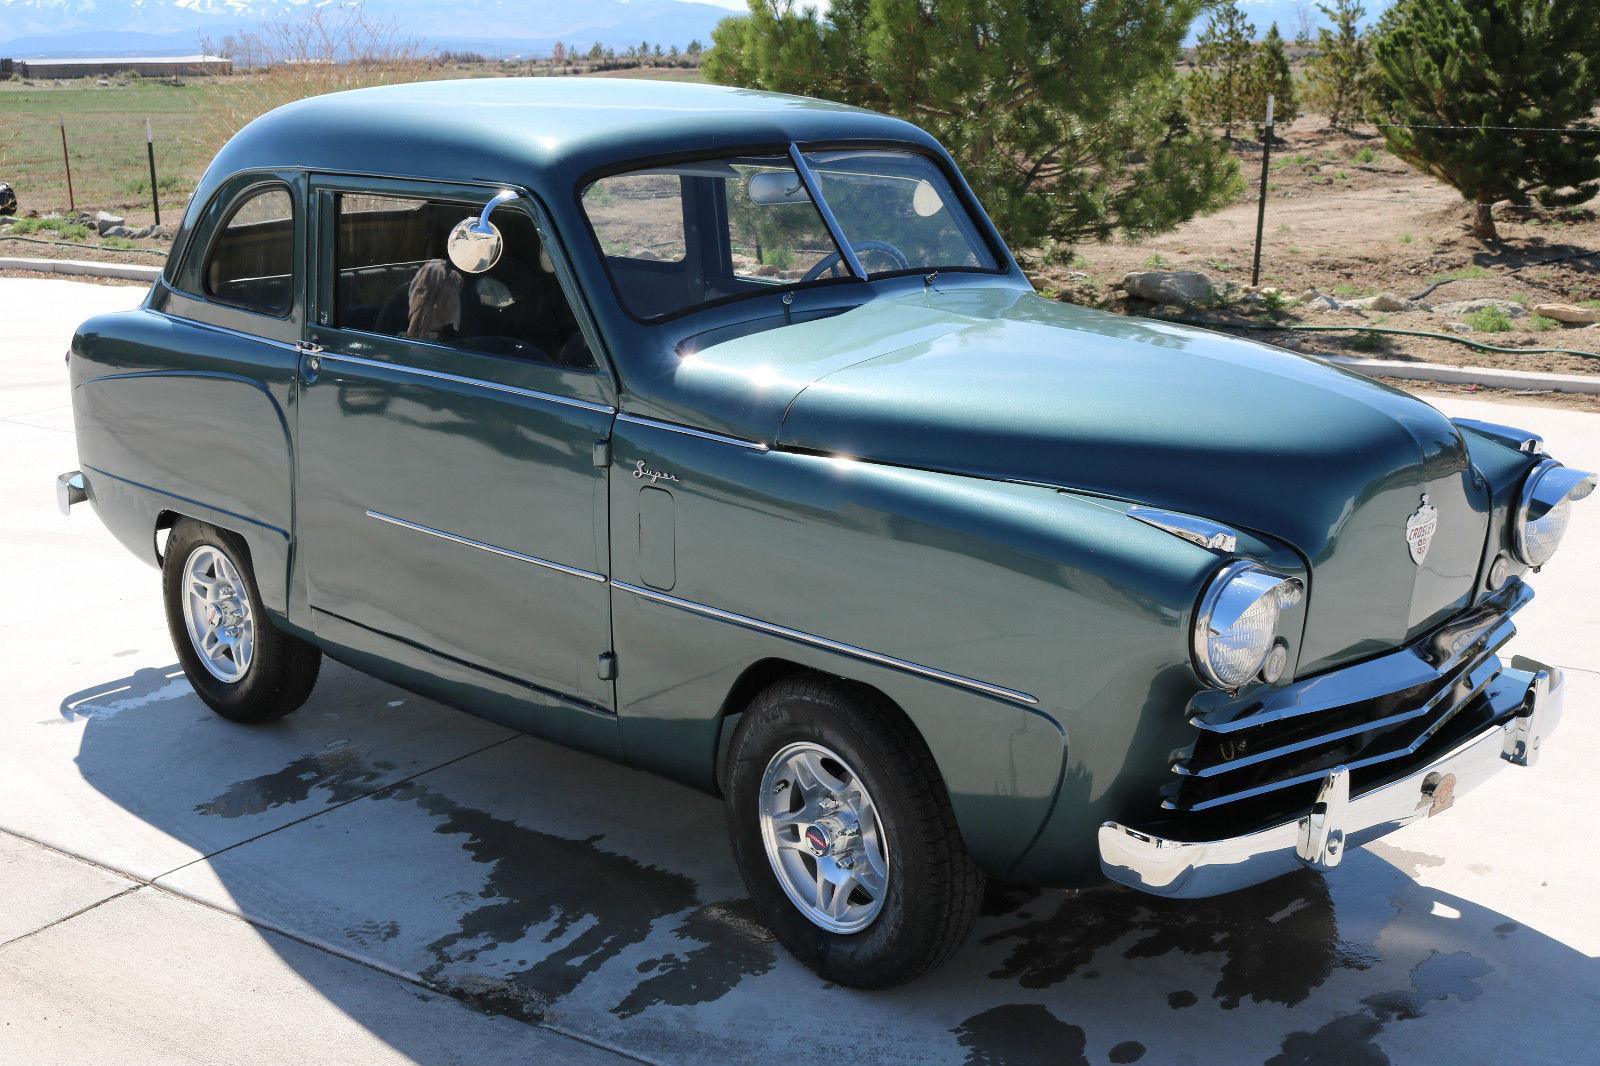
(679, 237)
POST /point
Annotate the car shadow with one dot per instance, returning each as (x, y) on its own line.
(543, 884)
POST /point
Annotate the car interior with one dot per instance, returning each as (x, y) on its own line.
(394, 278)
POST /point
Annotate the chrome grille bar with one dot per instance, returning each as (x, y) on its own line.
(1476, 680)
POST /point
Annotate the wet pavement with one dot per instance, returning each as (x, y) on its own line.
(378, 876)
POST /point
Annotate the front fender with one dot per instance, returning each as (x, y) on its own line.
(1053, 596)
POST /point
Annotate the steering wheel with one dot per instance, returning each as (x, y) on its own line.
(833, 259)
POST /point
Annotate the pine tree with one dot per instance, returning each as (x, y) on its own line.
(1222, 86)
(1057, 110)
(1337, 75)
(1530, 65)
(1272, 75)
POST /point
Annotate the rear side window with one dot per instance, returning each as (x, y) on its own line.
(251, 264)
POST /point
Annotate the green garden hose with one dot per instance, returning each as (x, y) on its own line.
(1269, 328)
(70, 244)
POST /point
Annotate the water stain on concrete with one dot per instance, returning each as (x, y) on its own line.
(1281, 961)
(1443, 976)
(374, 932)
(1412, 862)
(1020, 1034)
(594, 902)
(1127, 1051)
(733, 945)
(591, 903)
(1351, 1039)
(1001, 898)
(340, 772)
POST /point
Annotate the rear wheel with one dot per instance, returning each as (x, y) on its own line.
(844, 835)
(241, 664)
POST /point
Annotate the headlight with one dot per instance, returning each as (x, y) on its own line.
(1545, 509)
(1238, 622)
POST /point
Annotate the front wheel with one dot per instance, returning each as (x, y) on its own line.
(242, 665)
(844, 835)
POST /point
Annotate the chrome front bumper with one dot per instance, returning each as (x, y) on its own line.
(1530, 693)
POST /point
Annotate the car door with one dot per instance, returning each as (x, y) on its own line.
(451, 495)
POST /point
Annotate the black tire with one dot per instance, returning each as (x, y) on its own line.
(282, 668)
(934, 890)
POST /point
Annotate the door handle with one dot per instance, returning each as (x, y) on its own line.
(312, 352)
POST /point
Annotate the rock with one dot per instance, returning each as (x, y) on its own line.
(116, 231)
(1568, 313)
(1511, 308)
(1169, 286)
(1384, 301)
(104, 220)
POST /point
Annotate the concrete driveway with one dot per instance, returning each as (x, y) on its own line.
(379, 877)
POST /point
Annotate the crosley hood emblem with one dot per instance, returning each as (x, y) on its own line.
(1420, 528)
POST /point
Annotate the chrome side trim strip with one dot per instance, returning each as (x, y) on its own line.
(458, 379)
(1213, 536)
(703, 434)
(588, 575)
(826, 644)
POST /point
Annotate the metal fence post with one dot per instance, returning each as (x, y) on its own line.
(1261, 206)
(72, 201)
(150, 151)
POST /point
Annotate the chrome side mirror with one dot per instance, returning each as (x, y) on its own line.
(475, 244)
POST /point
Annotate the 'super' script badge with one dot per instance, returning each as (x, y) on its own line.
(643, 472)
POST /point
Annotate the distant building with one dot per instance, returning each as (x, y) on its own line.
(144, 66)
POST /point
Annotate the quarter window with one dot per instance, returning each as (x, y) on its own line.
(251, 265)
(394, 278)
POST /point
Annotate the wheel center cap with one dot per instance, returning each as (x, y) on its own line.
(817, 840)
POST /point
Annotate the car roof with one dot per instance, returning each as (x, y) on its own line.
(536, 130)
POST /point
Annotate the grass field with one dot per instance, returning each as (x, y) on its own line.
(105, 135)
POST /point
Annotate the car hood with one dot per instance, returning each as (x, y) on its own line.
(994, 383)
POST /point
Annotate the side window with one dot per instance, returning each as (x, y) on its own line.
(638, 216)
(251, 264)
(394, 278)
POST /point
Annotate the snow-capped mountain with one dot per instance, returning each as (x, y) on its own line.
(33, 28)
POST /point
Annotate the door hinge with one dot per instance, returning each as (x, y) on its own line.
(607, 666)
(602, 453)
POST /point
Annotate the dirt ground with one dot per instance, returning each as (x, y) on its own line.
(1347, 219)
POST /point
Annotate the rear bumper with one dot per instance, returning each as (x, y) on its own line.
(1527, 701)
(71, 490)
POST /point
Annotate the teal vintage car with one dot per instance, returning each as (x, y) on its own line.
(717, 432)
